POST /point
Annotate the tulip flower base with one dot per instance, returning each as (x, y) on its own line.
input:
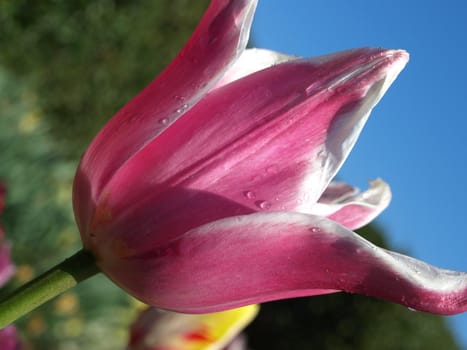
(55, 281)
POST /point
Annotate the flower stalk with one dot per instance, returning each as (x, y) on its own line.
(55, 281)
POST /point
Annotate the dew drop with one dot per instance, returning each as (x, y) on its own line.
(310, 90)
(182, 109)
(315, 229)
(412, 309)
(359, 251)
(249, 194)
(265, 205)
(164, 121)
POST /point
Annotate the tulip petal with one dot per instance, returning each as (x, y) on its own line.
(270, 141)
(345, 205)
(9, 339)
(160, 330)
(218, 40)
(337, 192)
(267, 256)
(251, 61)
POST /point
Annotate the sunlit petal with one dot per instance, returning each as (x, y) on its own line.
(345, 205)
(218, 40)
(270, 141)
(267, 256)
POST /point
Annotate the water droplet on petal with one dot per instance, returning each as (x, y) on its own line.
(265, 205)
(310, 90)
(249, 194)
(182, 109)
(315, 229)
(164, 121)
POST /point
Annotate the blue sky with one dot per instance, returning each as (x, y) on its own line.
(416, 139)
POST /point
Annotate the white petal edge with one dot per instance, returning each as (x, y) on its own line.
(353, 209)
(251, 61)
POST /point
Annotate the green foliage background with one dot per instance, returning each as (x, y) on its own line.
(85, 59)
(65, 68)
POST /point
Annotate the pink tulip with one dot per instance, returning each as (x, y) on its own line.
(212, 188)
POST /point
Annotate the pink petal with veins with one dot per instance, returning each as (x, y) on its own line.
(267, 256)
(218, 40)
(270, 141)
(345, 205)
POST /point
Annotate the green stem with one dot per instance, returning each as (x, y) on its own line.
(58, 279)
